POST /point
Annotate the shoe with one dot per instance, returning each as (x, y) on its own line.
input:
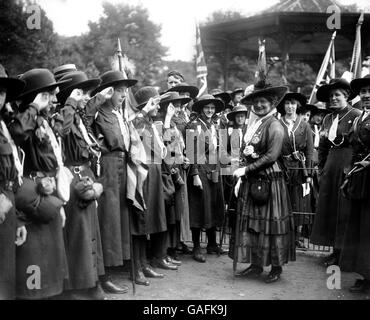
(140, 279)
(150, 273)
(250, 271)
(185, 249)
(273, 276)
(333, 261)
(97, 293)
(215, 249)
(360, 285)
(163, 264)
(173, 261)
(198, 255)
(109, 287)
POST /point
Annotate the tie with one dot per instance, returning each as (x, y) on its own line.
(333, 129)
(17, 163)
(124, 129)
(317, 137)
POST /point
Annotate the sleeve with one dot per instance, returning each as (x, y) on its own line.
(274, 145)
(92, 107)
(68, 113)
(309, 150)
(24, 124)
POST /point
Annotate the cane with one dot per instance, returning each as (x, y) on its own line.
(237, 226)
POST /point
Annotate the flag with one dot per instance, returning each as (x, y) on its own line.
(137, 170)
(201, 67)
(327, 70)
(356, 65)
(261, 72)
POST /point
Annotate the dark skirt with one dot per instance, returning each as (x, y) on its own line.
(206, 207)
(113, 210)
(82, 240)
(153, 219)
(355, 254)
(266, 232)
(332, 208)
(7, 252)
(300, 204)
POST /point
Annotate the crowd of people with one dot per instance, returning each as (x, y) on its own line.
(87, 186)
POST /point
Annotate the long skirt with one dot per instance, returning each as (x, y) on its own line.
(266, 232)
(82, 240)
(355, 254)
(206, 207)
(113, 210)
(332, 208)
(7, 252)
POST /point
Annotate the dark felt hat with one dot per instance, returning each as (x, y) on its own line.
(291, 96)
(13, 86)
(183, 88)
(38, 80)
(60, 71)
(143, 95)
(238, 109)
(208, 99)
(264, 91)
(236, 91)
(320, 108)
(357, 84)
(223, 95)
(173, 97)
(76, 80)
(112, 79)
(323, 92)
(307, 107)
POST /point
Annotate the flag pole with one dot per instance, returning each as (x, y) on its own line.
(120, 57)
(356, 54)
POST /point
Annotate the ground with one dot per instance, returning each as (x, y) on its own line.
(304, 279)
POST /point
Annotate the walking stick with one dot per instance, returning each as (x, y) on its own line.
(227, 216)
(237, 238)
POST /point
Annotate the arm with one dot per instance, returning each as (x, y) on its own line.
(24, 124)
(68, 113)
(92, 107)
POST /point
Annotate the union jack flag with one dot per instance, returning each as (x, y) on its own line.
(201, 66)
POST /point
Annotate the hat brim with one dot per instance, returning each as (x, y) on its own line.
(231, 115)
(193, 91)
(219, 105)
(322, 93)
(127, 82)
(43, 89)
(236, 92)
(357, 84)
(84, 85)
(291, 95)
(13, 87)
(181, 100)
(277, 91)
(308, 107)
(224, 96)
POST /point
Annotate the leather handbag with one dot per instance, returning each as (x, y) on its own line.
(260, 189)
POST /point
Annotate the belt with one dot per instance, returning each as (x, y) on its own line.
(119, 154)
(7, 185)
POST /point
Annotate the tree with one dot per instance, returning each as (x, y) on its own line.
(139, 37)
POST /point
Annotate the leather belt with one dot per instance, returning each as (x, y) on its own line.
(7, 185)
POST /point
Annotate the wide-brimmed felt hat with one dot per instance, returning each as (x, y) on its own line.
(278, 91)
(143, 95)
(184, 87)
(111, 79)
(307, 107)
(223, 95)
(13, 86)
(173, 97)
(323, 92)
(357, 84)
(238, 109)
(320, 108)
(60, 71)
(291, 96)
(38, 80)
(77, 80)
(236, 91)
(208, 99)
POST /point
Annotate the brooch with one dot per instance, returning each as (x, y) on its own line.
(255, 139)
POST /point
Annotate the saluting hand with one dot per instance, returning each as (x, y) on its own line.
(151, 105)
(42, 100)
(76, 94)
(107, 93)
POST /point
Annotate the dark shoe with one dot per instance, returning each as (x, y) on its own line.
(140, 279)
(250, 271)
(185, 249)
(109, 287)
(198, 255)
(361, 285)
(215, 249)
(173, 261)
(150, 273)
(163, 264)
(274, 275)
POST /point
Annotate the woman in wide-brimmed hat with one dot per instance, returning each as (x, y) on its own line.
(263, 234)
(206, 202)
(37, 197)
(225, 97)
(297, 152)
(335, 154)
(237, 96)
(10, 88)
(85, 260)
(356, 247)
(105, 112)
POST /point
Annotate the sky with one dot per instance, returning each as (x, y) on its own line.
(177, 17)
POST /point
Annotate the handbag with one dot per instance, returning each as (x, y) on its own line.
(260, 189)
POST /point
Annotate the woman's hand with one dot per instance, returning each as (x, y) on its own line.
(197, 182)
(63, 216)
(151, 105)
(76, 94)
(107, 93)
(248, 150)
(21, 236)
(170, 111)
(42, 100)
(238, 173)
(309, 180)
